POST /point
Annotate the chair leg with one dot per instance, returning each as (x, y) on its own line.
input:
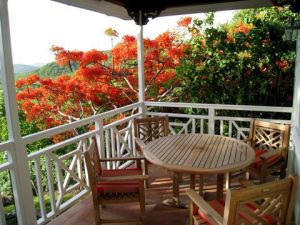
(263, 177)
(146, 169)
(282, 172)
(142, 202)
(220, 182)
(97, 214)
(191, 213)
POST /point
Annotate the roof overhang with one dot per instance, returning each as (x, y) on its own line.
(129, 9)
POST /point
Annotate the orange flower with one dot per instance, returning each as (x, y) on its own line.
(184, 22)
(243, 28)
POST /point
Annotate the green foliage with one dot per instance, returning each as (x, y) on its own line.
(26, 129)
(3, 124)
(244, 62)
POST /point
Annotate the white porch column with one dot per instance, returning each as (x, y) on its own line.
(18, 156)
(295, 158)
(140, 49)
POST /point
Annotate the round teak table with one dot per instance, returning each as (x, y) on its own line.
(200, 154)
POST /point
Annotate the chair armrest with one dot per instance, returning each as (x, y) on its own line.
(269, 154)
(140, 143)
(137, 158)
(205, 208)
(125, 178)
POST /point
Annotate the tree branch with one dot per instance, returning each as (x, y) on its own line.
(130, 86)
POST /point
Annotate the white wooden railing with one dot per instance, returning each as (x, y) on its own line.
(66, 173)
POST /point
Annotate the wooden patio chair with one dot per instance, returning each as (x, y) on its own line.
(148, 129)
(268, 203)
(114, 186)
(270, 142)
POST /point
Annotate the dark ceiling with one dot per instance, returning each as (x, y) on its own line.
(141, 10)
(152, 8)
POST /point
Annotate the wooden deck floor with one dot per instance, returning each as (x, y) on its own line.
(156, 213)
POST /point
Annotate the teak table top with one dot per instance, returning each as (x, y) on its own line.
(199, 153)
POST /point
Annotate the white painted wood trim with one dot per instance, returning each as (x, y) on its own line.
(20, 177)
(221, 106)
(141, 75)
(56, 130)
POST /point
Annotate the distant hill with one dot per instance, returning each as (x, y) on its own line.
(52, 69)
(49, 70)
(22, 68)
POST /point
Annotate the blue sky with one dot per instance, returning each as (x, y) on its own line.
(36, 25)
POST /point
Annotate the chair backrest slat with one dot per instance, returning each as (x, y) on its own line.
(269, 203)
(94, 169)
(269, 136)
(150, 128)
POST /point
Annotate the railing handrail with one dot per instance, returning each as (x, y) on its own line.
(56, 130)
(222, 106)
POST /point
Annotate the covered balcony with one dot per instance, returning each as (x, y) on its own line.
(65, 172)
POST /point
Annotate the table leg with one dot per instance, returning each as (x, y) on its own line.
(227, 181)
(174, 201)
(176, 188)
(193, 183)
(220, 182)
(201, 185)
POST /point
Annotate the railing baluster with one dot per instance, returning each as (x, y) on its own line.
(130, 143)
(113, 146)
(201, 126)
(84, 147)
(211, 120)
(60, 183)
(221, 127)
(107, 144)
(118, 144)
(133, 139)
(41, 194)
(230, 128)
(193, 125)
(79, 168)
(100, 138)
(50, 184)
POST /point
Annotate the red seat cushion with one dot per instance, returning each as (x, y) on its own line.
(219, 206)
(270, 161)
(119, 186)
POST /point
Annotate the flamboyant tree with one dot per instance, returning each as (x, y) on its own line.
(96, 86)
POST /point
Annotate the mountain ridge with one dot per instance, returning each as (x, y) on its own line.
(24, 68)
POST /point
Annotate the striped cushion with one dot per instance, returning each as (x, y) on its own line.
(218, 205)
(119, 186)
